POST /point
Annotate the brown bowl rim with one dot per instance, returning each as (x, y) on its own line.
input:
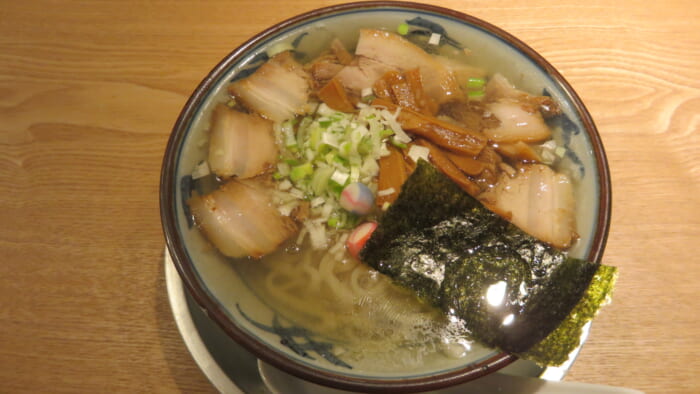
(285, 363)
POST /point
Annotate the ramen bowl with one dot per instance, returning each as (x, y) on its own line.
(231, 299)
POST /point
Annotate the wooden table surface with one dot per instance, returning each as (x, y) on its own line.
(89, 91)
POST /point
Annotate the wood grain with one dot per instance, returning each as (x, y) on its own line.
(90, 90)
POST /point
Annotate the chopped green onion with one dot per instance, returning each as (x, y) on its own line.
(398, 144)
(476, 83)
(321, 154)
(340, 160)
(291, 142)
(351, 220)
(344, 149)
(301, 171)
(402, 29)
(333, 222)
(319, 181)
(354, 174)
(476, 94)
(364, 147)
(368, 99)
(315, 137)
(335, 188)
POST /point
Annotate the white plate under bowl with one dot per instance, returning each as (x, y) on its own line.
(232, 369)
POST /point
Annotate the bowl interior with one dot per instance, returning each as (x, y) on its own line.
(217, 284)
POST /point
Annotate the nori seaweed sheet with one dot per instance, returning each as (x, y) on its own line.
(449, 249)
(555, 349)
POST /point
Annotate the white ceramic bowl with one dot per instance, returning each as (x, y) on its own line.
(216, 285)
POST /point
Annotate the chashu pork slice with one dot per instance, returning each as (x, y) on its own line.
(240, 144)
(240, 219)
(278, 90)
(396, 52)
(538, 200)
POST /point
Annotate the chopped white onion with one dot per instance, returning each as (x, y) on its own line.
(297, 193)
(326, 211)
(418, 152)
(317, 234)
(384, 151)
(394, 125)
(317, 202)
(283, 168)
(339, 177)
(361, 131)
(325, 110)
(386, 192)
(286, 209)
(285, 185)
(551, 145)
(201, 170)
(547, 156)
(330, 139)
